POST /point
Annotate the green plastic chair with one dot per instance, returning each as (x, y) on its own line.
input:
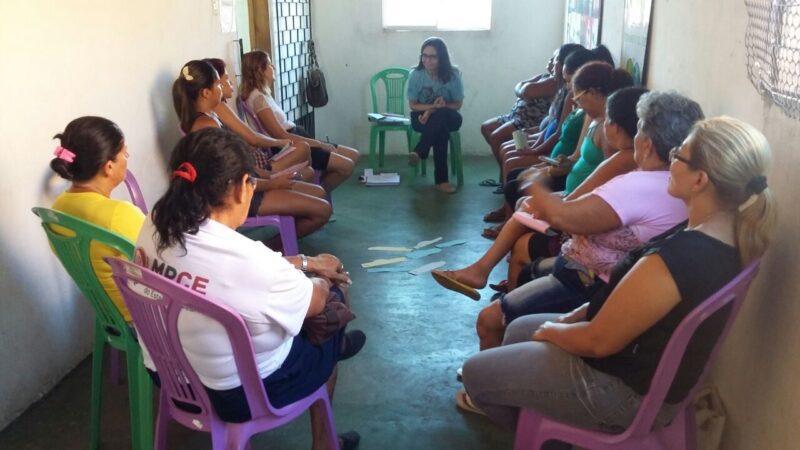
(109, 326)
(456, 164)
(394, 81)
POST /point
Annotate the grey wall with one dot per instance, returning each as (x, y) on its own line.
(352, 46)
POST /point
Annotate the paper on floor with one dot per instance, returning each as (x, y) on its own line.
(426, 268)
(423, 253)
(451, 243)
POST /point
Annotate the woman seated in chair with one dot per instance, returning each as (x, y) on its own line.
(197, 93)
(533, 99)
(192, 230)
(435, 94)
(591, 368)
(263, 145)
(604, 224)
(94, 158)
(258, 73)
(619, 130)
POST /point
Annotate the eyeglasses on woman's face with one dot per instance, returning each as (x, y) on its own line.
(577, 97)
(675, 156)
(429, 56)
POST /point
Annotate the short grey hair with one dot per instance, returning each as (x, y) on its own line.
(667, 118)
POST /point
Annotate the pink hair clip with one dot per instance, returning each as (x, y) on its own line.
(63, 153)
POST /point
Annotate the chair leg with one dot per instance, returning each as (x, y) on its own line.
(97, 386)
(162, 422)
(457, 162)
(381, 147)
(288, 235)
(373, 142)
(140, 393)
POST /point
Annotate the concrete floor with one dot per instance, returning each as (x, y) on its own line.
(398, 393)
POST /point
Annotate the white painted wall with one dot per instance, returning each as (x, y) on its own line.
(352, 46)
(757, 372)
(63, 59)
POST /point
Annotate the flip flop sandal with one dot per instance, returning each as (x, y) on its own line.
(495, 217)
(490, 233)
(489, 183)
(464, 402)
(460, 374)
(349, 440)
(498, 190)
(448, 282)
(500, 287)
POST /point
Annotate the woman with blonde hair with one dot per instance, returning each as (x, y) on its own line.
(592, 367)
(258, 72)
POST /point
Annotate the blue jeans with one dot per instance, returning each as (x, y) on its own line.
(551, 381)
(548, 293)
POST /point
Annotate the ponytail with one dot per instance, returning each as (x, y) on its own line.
(601, 77)
(203, 165)
(736, 158)
(754, 225)
(194, 77)
(87, 143)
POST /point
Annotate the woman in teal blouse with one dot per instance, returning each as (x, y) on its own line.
(435, 94)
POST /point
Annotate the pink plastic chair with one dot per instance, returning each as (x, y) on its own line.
(284, 224)
(533, 429)
(155, 304)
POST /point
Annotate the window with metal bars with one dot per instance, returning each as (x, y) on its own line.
(292, 20)
(772, 46)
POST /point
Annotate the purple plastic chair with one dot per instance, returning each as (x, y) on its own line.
(136, 194)
(284, 224)
(533, 429)
(155, 304)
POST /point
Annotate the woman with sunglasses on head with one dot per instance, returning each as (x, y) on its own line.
(609, 348)
(192, 231)
(93, 156)
(197, 92)
(435, 94)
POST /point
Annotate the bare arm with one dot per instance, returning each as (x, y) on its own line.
(619, 163)
(586, 215)
(235, 124)
(539, 88)
(623, 317)
(274, 128)
(319, 295)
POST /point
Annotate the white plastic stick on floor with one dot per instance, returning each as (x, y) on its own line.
(383, 262)
(427, 243)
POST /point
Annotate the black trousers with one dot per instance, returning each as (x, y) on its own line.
(435, 133)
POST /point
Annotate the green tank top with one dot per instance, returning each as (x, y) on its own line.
(591, 157)
(570, 132)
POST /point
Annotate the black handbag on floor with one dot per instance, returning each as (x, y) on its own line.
(316, 92)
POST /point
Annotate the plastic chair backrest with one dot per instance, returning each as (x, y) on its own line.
(394, 81)
(732, 293)
(136, 194)
(74, 254)
(250, 116)
(155, 303)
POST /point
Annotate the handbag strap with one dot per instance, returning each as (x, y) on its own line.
(312, 55)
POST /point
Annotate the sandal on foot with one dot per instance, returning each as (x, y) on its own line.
(489, 183)
(500, 287)
(349, 440)
(498, 190)
(464, 402)
(495, 216)
(445, 278)
(460, 375)
(490, 233)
